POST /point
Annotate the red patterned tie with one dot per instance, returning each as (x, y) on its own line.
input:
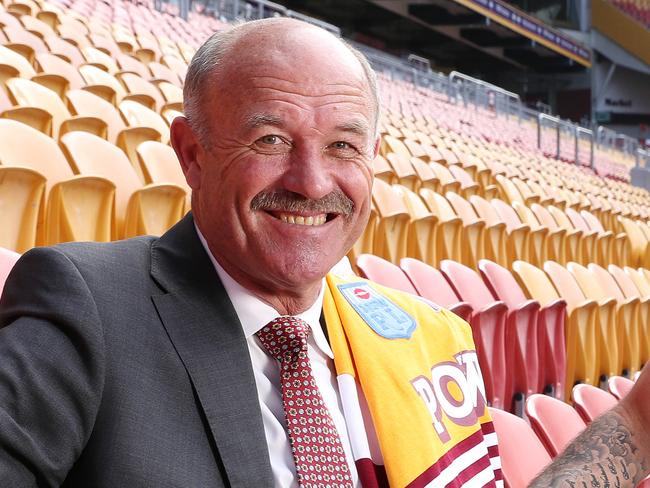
(317, 451)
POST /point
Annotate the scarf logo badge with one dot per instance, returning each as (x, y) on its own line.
(382, 315)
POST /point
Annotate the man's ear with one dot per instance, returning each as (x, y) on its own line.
(188, 149)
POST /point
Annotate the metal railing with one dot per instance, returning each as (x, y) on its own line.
(458, 87)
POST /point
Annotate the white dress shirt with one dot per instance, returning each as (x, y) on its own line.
(254, 314)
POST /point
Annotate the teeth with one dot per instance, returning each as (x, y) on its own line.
(300, 220)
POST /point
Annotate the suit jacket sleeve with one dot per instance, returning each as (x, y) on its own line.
(51, 369)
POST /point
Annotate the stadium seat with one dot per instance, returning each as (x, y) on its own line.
(365, 242)
(21, 206)
(619, 386)
(628, 322)
(578, 245)
(53, 64)
(382, 170)
(612, 336)
(159, 164)
(555, 422)
(384, 272)
(544, 352)
(27, 93)
(528, 242)
(422, 231)
(7, 260)
(403, 170)
(558, 246)
(579, 324)
(489, 331)
(638, 244)
(137, 115)
(516, 437)
(77, 207)
(432, 285)
(149, 209)
(102, 83)
(494, 236)
(630, 290)
(591, 402)
(392, 223)
(141, 90)
(450, 226)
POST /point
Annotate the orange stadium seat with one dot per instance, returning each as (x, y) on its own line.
(422, 230)
(139, 209)
(450, 227)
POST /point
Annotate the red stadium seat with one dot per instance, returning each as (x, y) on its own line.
(516, 437)
(383, 272)
(591, 402)
(547, 353)
(488, 327)
(619, 386)
(555, 423)
(432, 285)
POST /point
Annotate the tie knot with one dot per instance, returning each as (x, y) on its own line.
(285, 338)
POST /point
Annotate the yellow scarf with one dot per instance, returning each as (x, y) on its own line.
(410, 387)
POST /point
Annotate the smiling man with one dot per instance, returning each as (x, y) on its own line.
(225, 353)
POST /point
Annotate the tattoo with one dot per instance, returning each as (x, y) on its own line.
(605, 455)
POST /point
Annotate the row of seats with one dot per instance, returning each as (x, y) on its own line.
(83, 189)
(551, 426)
(536, 330)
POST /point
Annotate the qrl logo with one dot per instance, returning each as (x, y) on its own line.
(361, 293)
(447, 378)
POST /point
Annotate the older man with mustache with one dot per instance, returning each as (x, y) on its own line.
(225, 353)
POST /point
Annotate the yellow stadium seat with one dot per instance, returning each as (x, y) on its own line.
(494, 236)
(142, 91)
(102, 83)
(159, 164)
(638, 244)
(422, 232)
(53, 64)
(381, 169)
(27, 93)
(581, 244)
(21, 205)
(149, 209)
(160, 72)
(562, 245)
(392, 225)
(403, 169)
(78, 208)
(450, 227)
(99, 58)
(137, 115)
(581, 346)
(176, 64)
(611, 339)
(590, 324)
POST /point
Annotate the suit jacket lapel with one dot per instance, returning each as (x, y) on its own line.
(205, 330)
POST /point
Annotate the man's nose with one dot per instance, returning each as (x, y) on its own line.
(308, 173)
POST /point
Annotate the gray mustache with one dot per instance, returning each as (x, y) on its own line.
(283, 200)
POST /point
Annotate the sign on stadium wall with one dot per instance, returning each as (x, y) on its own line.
(625, 93)
(532, 28)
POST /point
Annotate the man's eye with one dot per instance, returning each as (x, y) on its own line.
(341, 145)
(272, 140)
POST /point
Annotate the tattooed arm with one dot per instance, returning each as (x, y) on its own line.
(613, 452)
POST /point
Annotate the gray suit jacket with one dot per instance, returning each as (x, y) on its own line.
(124, 365)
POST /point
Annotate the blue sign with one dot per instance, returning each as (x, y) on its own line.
(383, 316)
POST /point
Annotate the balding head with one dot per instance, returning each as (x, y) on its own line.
(251, 43)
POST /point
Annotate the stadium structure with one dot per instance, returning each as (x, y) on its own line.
(511, 185)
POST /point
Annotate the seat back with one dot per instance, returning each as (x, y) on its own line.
(544, 216)
(438, 205)
(486, 211)
(29, 93)
(555, 423)
(536, 283)
(12, 58)
(639, 279)
(467, 284)
(7, 260)
(606, 282)
(592, 221)
(21, 145)
(53, 64)
(565, 284)
(624, 281)
(87, 104)
(577, 221)
(516, 437)
(502, 284)
(590, 285)
(429, 282)
(136, 115)
(385, 273)
(160, 164)
(619, 386)
(462, 207)
(591, 402)
(506, 213)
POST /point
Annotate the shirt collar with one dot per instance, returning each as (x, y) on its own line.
(254, 313)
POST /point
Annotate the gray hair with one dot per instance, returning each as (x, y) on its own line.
(211, 54)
